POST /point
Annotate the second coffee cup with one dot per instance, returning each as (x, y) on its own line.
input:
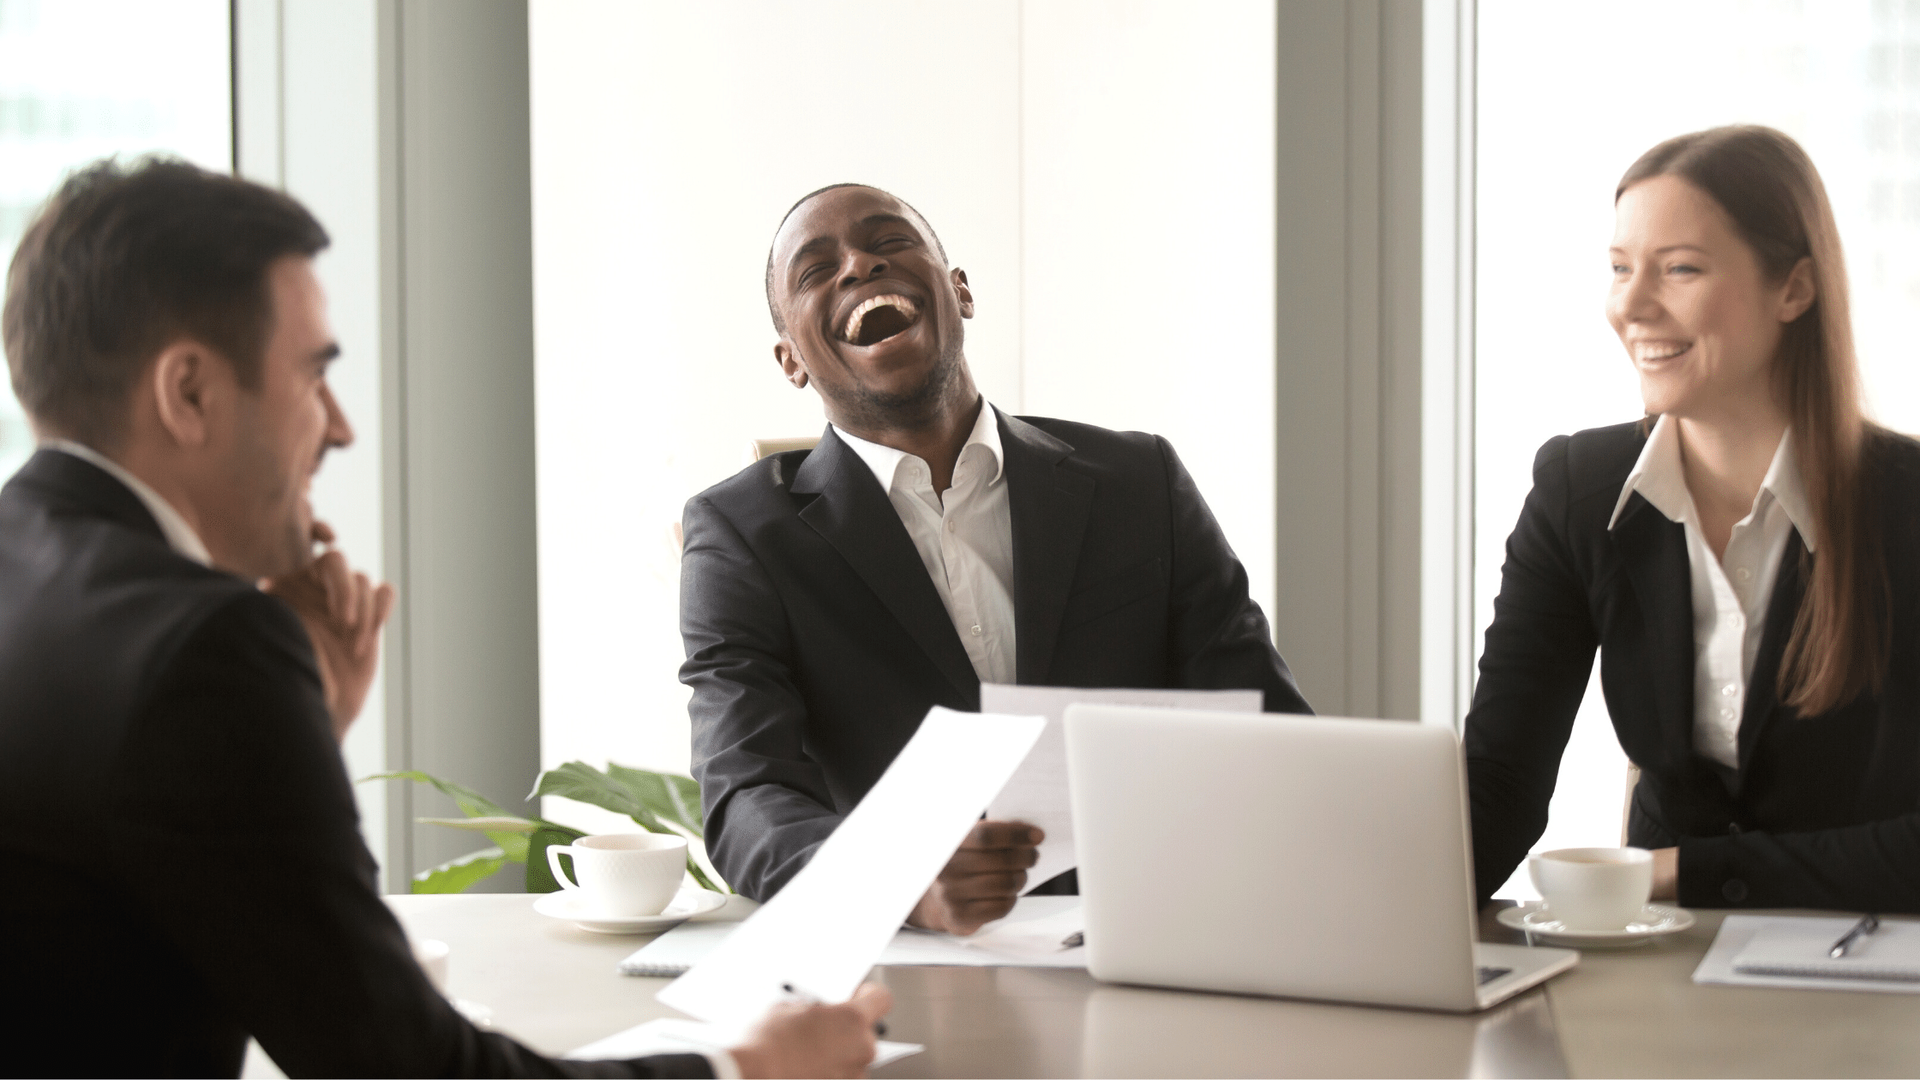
(623, 874)
(1593, 888)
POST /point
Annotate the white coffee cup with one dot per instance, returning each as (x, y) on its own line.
(1593, 888)
(623, 874)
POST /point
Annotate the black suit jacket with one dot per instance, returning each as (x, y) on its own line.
(183, 856)
(816, 642)
(1824, 811)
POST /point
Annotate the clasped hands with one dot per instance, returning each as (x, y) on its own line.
(344, 613)
(982, 880)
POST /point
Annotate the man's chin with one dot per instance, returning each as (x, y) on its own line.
(913, 389)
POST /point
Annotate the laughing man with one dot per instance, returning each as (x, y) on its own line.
(929, 543)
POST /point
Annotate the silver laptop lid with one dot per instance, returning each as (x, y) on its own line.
(1295, 856)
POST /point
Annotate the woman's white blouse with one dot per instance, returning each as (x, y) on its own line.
(1730, 595)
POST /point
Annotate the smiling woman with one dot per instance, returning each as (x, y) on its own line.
(1739, 563)
(1555, 127)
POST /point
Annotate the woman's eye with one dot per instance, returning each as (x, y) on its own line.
(1683, 268)
(1619, 269)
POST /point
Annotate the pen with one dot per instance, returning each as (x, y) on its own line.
(801, 997)
(1074, 940)
(1867, 925)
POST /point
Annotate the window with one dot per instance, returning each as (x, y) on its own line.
(1569, 95)
(82, 79)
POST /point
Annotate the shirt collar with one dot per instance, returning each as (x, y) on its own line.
(885, 460)
(180, 535)
(1660, 477)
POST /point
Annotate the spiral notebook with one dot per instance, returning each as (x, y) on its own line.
(1799, 950)
(1790, 952)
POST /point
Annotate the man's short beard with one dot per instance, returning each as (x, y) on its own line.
(872, 408)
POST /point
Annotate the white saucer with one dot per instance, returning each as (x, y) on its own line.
(1655, 920)
(686, 904)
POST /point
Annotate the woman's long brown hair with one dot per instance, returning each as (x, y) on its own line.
(1768, 186)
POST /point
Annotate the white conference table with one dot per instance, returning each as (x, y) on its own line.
(1620, 1013)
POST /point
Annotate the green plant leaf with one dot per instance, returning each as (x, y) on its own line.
(539, 871)
(668, 797)
(471, 803)
(459, 874)
(581, 782)
(504, 824)
(700, 876)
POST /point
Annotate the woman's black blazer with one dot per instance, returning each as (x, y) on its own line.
(1824, 811)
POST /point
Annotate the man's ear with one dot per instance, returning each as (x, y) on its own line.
(790, 363)
(187, 383)
(1800, 292)
(966, 295)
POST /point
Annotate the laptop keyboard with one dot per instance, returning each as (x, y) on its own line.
(1488, 974)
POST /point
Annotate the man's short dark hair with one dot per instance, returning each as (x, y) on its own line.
(125, 259)
(780, 324)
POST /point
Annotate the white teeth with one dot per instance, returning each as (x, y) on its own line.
(1652, 353)
(852, 332)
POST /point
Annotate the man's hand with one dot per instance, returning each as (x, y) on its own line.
(815, 1040)
(982, 880)
(343, 613)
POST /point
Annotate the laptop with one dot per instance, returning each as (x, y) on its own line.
(1285, 856)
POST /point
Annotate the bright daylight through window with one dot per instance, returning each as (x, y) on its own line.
(1569, 95)
(69, 93)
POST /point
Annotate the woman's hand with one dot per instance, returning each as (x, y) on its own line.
(1666, 873)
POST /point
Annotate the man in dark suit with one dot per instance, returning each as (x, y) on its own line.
(928, 543)
(185, 865)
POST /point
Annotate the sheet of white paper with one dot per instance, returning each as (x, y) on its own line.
(1037, 794)
(1738, 930)
(1029, 937)
(822, 933)
(671, 1036)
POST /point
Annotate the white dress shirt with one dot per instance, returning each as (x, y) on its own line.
(1730, 594)
(180, 535)
(965, 537)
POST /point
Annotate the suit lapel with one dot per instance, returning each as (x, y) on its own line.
(1049, 505)
(1654, 553)
(1763, 694)
(851, 512)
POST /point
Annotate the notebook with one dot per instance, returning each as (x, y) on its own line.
(1795, 949)
(1789, 952)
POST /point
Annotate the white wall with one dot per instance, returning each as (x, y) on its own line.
(1148, 169)
(1103, 171)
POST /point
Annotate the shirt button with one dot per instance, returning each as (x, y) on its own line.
(1734, 890)
(976, 629)
(949, 526)
(1733, 620)
(1743, 573)
(1729, 690)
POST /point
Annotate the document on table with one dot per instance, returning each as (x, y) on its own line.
(673, 1036)
(1790, 952)
(818, 937)
(1037, 793)
(1033, 935)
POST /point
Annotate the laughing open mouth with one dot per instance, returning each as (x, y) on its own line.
(878, 319)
